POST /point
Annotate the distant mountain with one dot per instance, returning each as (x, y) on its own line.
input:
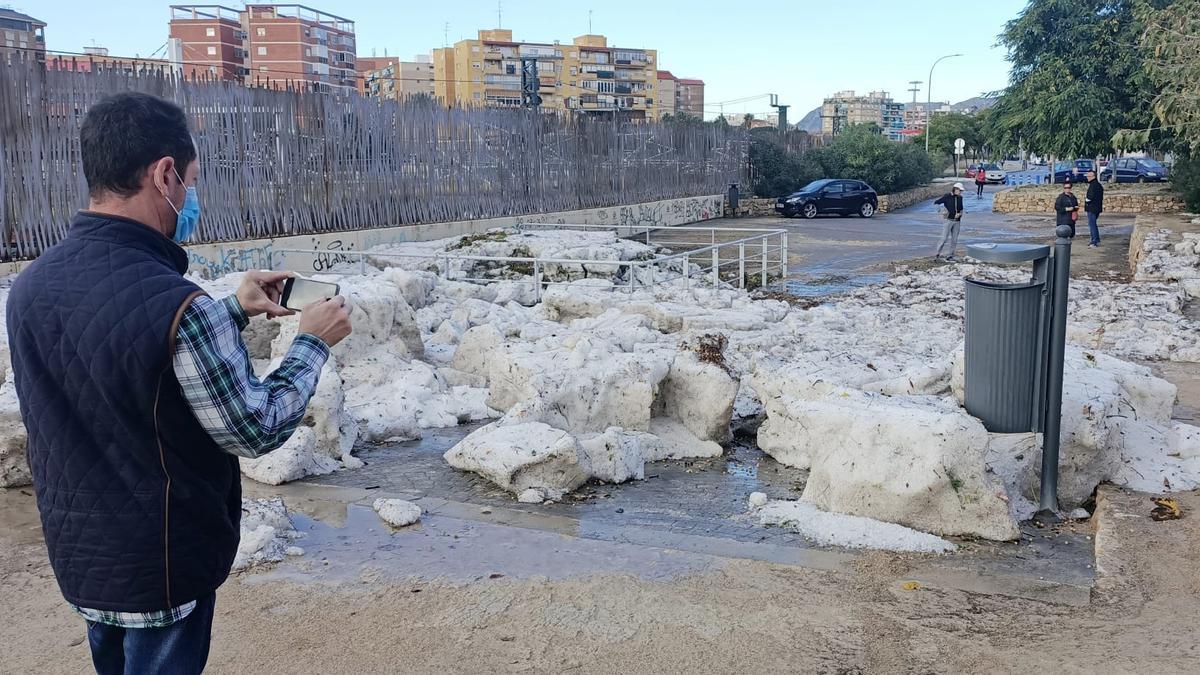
(975, 104)
(811, 122)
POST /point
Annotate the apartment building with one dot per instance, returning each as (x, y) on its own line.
(690, 97)
(207, 41)
(266, 45)
(586, 75)
(96, 58)
(679, 95)
(668, 91)
(22, 34)
(363, 65)
(846, 108)
(393, 79)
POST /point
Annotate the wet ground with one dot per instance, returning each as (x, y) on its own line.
(686, 516)
(832, 254)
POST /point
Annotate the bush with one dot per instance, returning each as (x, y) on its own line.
(860, 153)
(1185, 178)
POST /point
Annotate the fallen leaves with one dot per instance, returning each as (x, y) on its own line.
(910, 585)
(1166, 509)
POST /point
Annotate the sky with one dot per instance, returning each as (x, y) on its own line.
(801, 50)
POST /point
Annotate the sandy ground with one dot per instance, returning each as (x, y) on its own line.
(711, 614)
(736, 615)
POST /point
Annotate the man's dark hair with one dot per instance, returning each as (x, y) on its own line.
(125, 133)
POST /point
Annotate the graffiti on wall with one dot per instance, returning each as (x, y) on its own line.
(226, 260)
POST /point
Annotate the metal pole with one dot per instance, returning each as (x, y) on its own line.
(716, 270)
(632, 276)
(741, 265)
(929, 98)
(764, 264)
(1048, 502)
(783, 255)
(537, 281)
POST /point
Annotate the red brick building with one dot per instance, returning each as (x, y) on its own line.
(266, 45)
(208, 41)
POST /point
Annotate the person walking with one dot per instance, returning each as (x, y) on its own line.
(1066, 208)
(1093, 204)
(138, 395)
(980, 181)
(952, 202)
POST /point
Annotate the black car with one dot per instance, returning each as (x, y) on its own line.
(831, 195)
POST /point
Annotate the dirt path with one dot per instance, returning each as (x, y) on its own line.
(738, 616)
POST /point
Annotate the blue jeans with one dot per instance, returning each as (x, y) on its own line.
(1095, 230)
(181, 648)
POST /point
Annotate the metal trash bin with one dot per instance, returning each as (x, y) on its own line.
(1006, 328)
(732, 196)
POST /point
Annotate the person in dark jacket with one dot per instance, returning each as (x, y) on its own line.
(138, 396)
(952, 202)
(1066, 208)
(1093, 204)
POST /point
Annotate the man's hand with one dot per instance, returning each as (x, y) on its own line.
(260, 293)
(328, 320)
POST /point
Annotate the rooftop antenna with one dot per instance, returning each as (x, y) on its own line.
(499, 13)
(916, 88)
(446, 35)
(589, 22)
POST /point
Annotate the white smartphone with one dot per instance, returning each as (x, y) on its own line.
(299, 292)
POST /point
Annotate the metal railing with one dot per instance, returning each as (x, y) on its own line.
(732, 256)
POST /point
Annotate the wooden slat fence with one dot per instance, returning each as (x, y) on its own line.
(277, 163)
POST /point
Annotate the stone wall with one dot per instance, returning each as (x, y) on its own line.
(330, 249)
(756, 206)
(1137, 199)
(906, 198)
(1164, 248)
(752, 207)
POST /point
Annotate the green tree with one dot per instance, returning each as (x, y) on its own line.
(945, 129)
(1171, 47)
(1076, 75)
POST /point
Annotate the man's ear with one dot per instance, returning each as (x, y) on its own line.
(159, 173)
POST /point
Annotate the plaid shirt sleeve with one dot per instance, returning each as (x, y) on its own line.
(246, 416)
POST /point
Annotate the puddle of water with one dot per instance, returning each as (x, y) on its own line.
(822, 286)
(365, 549)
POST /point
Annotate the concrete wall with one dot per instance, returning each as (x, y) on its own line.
(212, 260)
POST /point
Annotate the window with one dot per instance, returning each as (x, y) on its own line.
(476, 96)
(212, 51)
(476, 65)
(262, 32)
(210, 32)
(262, 69)
(574, 70)
(308, 51)
(262, 51)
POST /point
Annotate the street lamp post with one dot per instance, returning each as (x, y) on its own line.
(929, 98)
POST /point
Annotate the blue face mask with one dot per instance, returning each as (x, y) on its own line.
(188, 216)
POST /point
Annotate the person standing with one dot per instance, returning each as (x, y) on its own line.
(1066, 208)
(980, 181)
(138, 395)
(1093, 204)
(952, 202)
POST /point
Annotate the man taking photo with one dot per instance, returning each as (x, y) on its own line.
(138, 395)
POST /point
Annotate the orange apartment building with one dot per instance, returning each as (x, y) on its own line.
(22, 34)
(266, 45)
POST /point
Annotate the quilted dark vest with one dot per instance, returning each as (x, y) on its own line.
(140, 508)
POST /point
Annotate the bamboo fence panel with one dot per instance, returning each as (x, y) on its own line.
(288, 161)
